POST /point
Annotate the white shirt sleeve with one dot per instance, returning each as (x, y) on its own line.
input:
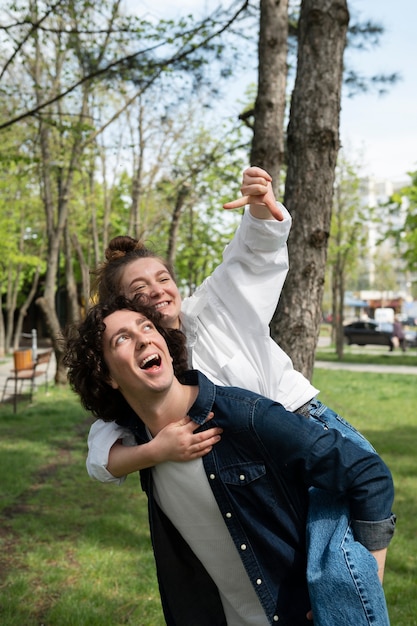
(101, 437)
(255, 265)
(227, 318)
(249, 281)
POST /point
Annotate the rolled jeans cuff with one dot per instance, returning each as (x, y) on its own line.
(374, 535)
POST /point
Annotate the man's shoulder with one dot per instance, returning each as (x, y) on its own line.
(239, 398)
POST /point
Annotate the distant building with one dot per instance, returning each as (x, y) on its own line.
(354, 307)
(375, 193)
(384, 299)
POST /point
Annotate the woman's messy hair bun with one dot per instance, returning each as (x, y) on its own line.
(120, 246)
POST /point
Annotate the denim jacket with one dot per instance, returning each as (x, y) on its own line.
(260, 473)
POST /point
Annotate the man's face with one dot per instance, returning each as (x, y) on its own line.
(136, 354)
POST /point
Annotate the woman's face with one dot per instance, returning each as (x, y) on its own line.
(150, 277)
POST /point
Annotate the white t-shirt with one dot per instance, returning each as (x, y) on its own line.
(182, 491)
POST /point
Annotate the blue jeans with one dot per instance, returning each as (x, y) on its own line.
(342, 574)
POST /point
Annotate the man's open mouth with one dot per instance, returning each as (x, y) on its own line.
(153, 360)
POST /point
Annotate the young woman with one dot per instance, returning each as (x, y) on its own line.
(226, 322)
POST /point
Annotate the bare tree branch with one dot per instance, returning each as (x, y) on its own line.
(158, 66)
(34, 27)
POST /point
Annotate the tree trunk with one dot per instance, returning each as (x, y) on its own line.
(73, 310)
(54, 331)
(340, 339)
(13, 278)
(182, 194)
(313, 144)
(54, 234)
(268, 139)
(85, 273)
(338, 296)
(24, 309)
(135, 226)
(334, 305)
(2, 333)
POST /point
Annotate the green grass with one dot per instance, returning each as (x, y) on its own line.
(360, 355)
(373, 355)
(74, 552)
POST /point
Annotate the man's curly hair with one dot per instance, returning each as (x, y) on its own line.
(88, 373)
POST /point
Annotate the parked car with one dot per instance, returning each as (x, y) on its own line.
(365, 332)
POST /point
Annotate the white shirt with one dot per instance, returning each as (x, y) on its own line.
(226, 322)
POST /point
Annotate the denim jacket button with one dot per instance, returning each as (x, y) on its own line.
(243, 546)
(228, 515)
(258, 581)
(212, 476)
(242, 477)
(275, 618)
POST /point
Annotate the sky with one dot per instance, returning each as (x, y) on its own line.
(379, 132)
(384, 128)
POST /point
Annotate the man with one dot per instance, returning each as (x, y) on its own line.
(228, 530)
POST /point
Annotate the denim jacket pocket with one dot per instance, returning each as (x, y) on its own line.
(242, 474)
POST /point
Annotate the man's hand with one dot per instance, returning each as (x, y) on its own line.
(176, 442)
(257, 192)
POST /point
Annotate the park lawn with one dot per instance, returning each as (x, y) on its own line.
(77, 553)
(73, 552)
(377, 356)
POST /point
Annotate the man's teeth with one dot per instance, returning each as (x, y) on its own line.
(148, 359)
(161, 305)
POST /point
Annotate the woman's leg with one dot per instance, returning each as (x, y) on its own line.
(342, 574)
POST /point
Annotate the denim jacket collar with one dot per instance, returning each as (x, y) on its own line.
(206, 396)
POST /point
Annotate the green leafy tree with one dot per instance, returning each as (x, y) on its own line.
(182, 193)
(405, 238)
(92, 48)
(22, 235)
(62, 55)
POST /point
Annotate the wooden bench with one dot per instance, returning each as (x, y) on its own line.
(26, 370)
